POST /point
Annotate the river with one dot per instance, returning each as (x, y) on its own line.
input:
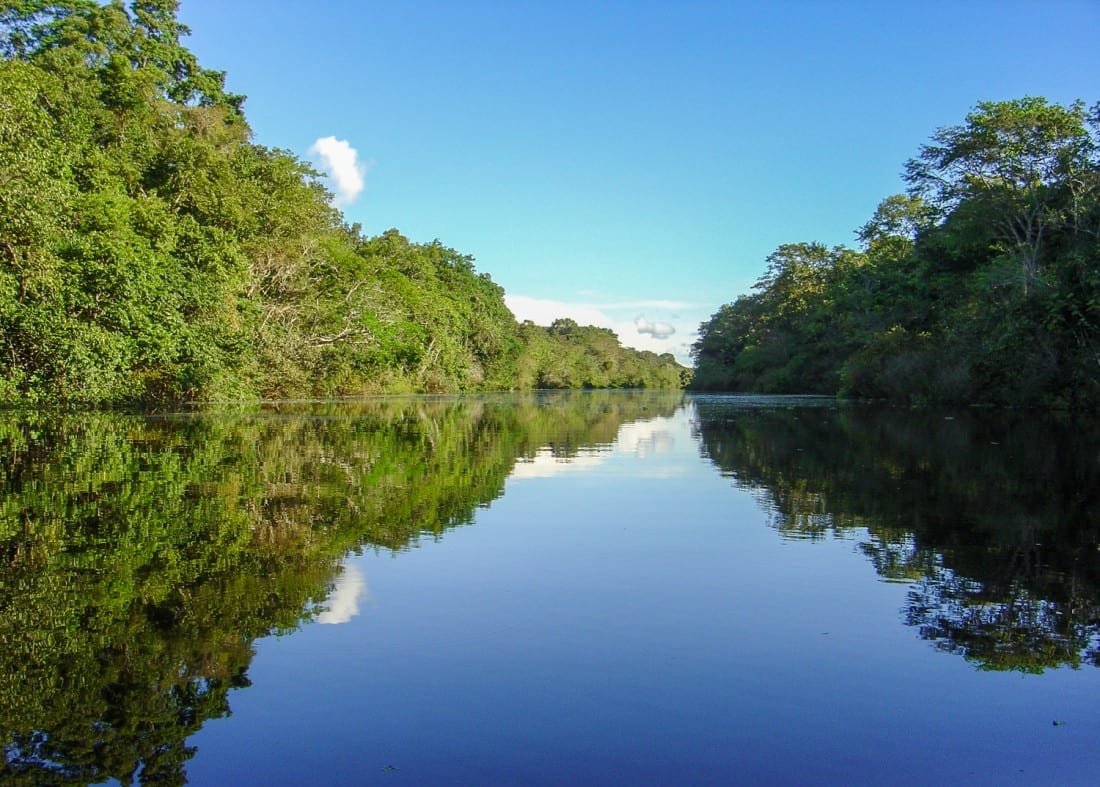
(553, 588)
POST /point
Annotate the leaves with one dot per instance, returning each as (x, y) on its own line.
(149, 251)
(974, 287)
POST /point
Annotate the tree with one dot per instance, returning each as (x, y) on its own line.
(895, 225)
(782, 338)
(978, 285)
(1027, 159)
(149, 251)
(143, 41)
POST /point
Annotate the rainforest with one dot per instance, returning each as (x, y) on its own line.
(979, 285)
(284, 501)
(152, 252)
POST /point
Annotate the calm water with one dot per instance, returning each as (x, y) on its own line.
(565, 589)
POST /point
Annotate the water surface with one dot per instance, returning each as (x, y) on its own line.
(591, 588)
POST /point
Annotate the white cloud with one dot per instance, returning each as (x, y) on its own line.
(343, 604)
(657, 336)
(543, 312)
(658, 330)
(340, 162)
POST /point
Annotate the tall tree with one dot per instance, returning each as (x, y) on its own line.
(1026, 160)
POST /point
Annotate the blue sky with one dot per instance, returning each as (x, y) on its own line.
(630, 164)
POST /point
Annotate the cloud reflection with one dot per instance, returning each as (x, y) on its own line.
(641, 439)
(343, 604)
(544, 464)
(646, 438)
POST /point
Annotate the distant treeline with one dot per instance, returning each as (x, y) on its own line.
(149, 251)
(981, 284)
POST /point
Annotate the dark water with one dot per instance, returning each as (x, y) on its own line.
(579, 589)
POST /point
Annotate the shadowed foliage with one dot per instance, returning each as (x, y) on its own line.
(982, 284)
(150, 251)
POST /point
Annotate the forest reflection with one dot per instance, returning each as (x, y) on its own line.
(992, 517)
(141, 557)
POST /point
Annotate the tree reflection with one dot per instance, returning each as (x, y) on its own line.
(993, 518)
(140, 557)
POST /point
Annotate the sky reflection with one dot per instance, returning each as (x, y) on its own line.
(349, 589)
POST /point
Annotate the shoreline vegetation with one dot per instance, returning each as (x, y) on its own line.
(152, 254)
(980, 285)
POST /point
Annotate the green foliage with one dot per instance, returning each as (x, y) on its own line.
(149, 251)
(978, 286)
(782, 337)
(568, 355)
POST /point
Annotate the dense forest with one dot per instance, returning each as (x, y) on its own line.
(150, 251)
(981, 284)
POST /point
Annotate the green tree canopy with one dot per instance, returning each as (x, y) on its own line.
(980, 285)
(150, 251)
